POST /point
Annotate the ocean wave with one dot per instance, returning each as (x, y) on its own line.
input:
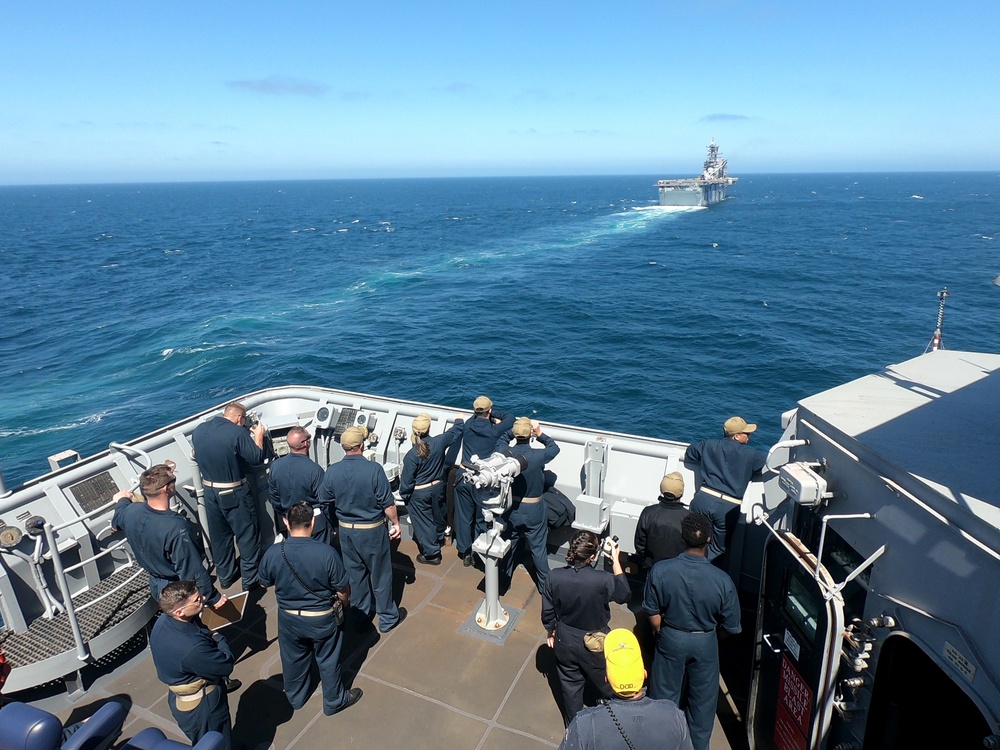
(204, 347)
(669, 209)
(47, 429)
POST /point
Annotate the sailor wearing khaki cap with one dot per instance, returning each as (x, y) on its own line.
(479, 438)
(658, 531)
(362, 498)
(528, 517)
(422, 486)
(728, 464)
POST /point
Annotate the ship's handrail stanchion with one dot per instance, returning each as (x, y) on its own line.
(61, 573)
(82, 652)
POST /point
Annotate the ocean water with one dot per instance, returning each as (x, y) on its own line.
(573, 300)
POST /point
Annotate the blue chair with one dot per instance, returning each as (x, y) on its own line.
(154, 739)
(24, 727)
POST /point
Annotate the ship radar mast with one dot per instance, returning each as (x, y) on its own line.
(936, 341)
(715, 168)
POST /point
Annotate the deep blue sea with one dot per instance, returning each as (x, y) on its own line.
(127, 307)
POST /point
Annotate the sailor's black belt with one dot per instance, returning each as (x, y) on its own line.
(530, 500)
(223, 485)
(369, 525)
(429, 484)
(721, 495)
(310, 612)
(685, 630)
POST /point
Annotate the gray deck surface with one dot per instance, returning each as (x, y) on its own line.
(425, 685)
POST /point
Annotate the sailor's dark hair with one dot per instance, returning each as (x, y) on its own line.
(154, 479)
(696, 529)
(582, 547)
(300, 515)
(175, 594)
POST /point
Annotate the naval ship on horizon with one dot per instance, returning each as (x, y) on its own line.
(705, 190)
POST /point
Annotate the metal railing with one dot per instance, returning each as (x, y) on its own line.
(82, 652)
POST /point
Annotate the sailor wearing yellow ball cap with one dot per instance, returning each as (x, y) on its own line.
(631, 718)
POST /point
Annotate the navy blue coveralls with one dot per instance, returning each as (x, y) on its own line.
(528, 518)
(479, 438)
(422, 487)
(575, 601)
(361, 493)
(658, 531)
(305, 635)
(650, 723)
(295, 478)
(726, 469)
(224, 451)
(693, 598)
(162, 544)
(184, 652)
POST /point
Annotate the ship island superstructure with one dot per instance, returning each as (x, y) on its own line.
(705, 190)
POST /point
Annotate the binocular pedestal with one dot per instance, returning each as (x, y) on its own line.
(492, 548)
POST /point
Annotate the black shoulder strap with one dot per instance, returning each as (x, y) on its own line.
(607, 705)
(296, 575)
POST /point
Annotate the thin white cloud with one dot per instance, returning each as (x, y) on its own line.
(723, 117)
(280, 86)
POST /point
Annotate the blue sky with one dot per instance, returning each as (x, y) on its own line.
(136, 91)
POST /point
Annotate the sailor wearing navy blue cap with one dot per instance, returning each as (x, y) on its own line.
(225, 452)
(479, 438)
(688, 599)
(309, 582)
(364, 505)
(160, 538)
(727, 466)
(528, 518)
(295, 478)
(193, 662)
(422, 486)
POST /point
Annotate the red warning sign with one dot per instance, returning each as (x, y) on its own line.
(795, 700)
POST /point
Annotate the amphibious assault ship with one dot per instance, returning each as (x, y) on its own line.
(705, 190)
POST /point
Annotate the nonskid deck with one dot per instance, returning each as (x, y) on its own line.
(426, 684)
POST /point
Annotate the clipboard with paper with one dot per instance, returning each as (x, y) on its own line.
(229, 613)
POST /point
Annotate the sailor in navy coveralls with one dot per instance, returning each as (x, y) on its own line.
(363, 503)
(422, 486)
(528, 518)
(193, 662)
(295, 478)
(576, 601)
(161, 538)
(479, 438)
(658, 531)
(727, 466)
(307, 574)
(225, 452)
(687, 600)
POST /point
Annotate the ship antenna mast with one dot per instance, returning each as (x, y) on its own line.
(936, 340)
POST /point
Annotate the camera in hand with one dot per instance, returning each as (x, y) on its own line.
(609, 545)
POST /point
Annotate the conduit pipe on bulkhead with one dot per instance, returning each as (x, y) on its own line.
(782, 444)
